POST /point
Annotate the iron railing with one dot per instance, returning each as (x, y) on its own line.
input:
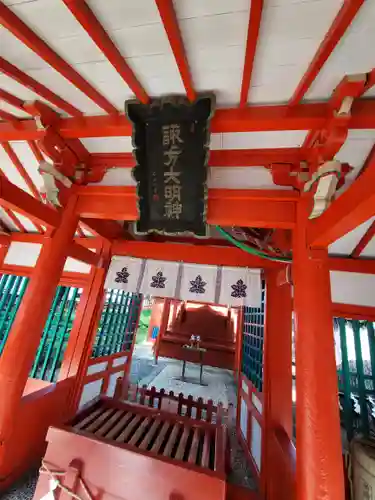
(55, 336)
(12, 289)
(356, 377)
(117, 323)
(252, 343)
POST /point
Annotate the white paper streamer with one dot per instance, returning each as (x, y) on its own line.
(198, 283)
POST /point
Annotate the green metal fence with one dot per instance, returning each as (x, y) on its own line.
(12, 289)
(56, 332)
(356, 375)
(117, 323)
(252, 343)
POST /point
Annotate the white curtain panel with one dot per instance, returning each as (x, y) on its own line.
(240, 287)
(198, 283)
(160, 278)
(125, 273)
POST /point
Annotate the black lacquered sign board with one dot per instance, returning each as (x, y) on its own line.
(171, 147)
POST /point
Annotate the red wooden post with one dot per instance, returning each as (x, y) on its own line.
(84, 329)
(19, 351)
(319, 455)
(277, 387)
(4, 247)
(163, 326)
(130, 355)
(239, 337)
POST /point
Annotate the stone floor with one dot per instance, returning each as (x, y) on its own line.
(218, 386)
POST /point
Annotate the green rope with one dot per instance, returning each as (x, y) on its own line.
(250, 250)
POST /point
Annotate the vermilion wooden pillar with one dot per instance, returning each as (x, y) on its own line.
(85, 327)
(277, 386)
(19, 351)
(319, 468)
(163, 326)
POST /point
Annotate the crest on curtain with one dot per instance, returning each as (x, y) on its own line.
(228, 286)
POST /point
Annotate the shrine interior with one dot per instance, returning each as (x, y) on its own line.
(187, 249)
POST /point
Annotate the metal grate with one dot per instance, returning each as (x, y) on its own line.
(356, 375)
(117, 323)
(56, 333)
(252, 343)
(12, 289)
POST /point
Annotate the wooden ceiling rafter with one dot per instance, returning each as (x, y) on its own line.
(20, 169)
(11, 99)
(364, 241)
(172, 29)
(27, 81)
(27, 36)
(89, 22)
(17, 199)
(8, 117)
(255, 16)
(14, 219)
(80, 232)
(36, 151)
(338, 28)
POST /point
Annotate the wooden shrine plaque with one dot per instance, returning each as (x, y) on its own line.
(171, 147)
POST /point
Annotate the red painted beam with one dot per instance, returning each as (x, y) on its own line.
(80, 232)
(87, 19)
(349, 265)
(352, 208)
(225, 256)
(249, 119)
(27, 81)
(20, 30)
(36, 151)
(12, 99)
(8, 117)
(95, 243)
(338, 28)
(14, 219)
(24, 174)
(107, 229)
(218, 158)
(353, 311)
(16, 199)
(226, 207)
(168, 16)
(83, 254)
(256, 7)
(364, 241)
(156, 238)
(21, 169)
